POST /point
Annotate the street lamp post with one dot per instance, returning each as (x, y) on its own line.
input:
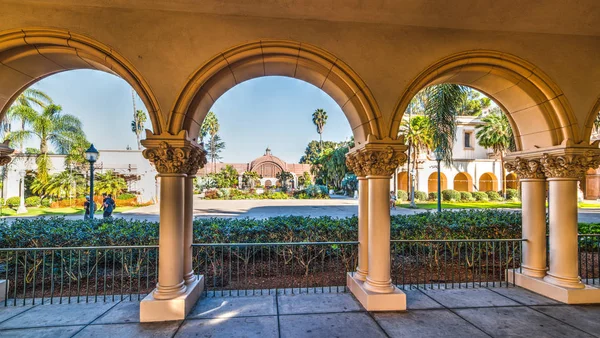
(92, 156)
(438, 158)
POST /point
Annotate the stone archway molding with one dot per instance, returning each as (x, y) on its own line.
(28, 55)
(277, 58)
(589, 123)
(537, 109)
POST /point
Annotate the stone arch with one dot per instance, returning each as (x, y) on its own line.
(432, 182)
(537, 109)
(463, 182)
(281, 58)
(30, 54)
(512, 181)
(488, 182)
(589, 123)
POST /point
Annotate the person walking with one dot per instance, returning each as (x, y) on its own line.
(392, 200)
(87, 206)
(109, 206)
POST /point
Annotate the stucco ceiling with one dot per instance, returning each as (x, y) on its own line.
(579, 17)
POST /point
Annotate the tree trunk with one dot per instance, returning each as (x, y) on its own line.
(503, 174)
(139, 144)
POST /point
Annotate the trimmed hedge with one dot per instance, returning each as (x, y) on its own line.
(480, 196)
(13, 202)
(450, 195)
(433, 196)
(420, 195)
(61, 232)
(402, 195)
(494, 195)
(512, 194)
(466, 196)
(33, 201)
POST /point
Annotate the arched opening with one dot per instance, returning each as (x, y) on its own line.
(592, 184)
(463, 182)
(539, 113)
(30, 54)
(280, 58)
(403, 181)
(433, 181)
(512, 181)
(268, 184)
(488, 182)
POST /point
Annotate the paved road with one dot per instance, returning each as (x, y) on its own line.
(335, 207)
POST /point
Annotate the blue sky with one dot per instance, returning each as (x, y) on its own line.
(269, 111)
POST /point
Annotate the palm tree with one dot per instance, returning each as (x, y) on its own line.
(418, 132)
(319, 118)
(211, 126)
(51, 127)
(496, 133)
(213, 152)
(110, 183)
(25, 103)
(137, 125)
(65, 184)
(442, 103)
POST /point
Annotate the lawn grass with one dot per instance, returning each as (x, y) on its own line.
(33, 211)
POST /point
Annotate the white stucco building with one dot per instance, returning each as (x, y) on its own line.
(475, 168)
(140, 173)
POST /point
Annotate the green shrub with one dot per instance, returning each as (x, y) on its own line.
(420, 195)
(45, 203)
(33, 201)
(466, 196)
(126, 196)
(480, 196)
(512, 194)
(433, 196)
(402, 195)
(493, 195)
(13, 202)
(450, 195)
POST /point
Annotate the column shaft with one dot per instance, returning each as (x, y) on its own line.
(564, 258)
(170, 268)
(363, 229)
(378, 277)
(533, 196)
(188, 230)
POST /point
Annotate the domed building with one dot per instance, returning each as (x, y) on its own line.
(266, 166)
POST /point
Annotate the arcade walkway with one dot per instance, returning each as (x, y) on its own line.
(479, 312)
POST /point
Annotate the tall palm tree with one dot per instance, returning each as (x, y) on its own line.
(137, 125)
(209, 123)
(319, 118)
(52, 128)
(27, 101)
(64, 184)
(211, 126)
(418, 132)
(496, 133)
(213, 152)
(442, 104)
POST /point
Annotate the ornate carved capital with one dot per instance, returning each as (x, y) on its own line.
(525, 168)
(4, 160)
(5, 152)
(380, 161)
(176, 160)
(573, 165)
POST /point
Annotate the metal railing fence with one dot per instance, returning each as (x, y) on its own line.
(589, 258)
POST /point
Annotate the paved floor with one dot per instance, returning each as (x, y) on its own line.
(479, 312)
(335, 207)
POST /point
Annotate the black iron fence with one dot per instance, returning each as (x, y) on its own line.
(107, 273)
(77, 274)
(454, 263)
(589, 258)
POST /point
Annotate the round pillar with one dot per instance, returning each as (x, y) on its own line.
(533, 197)
(363, 229)
(564, 256)
(170, 268)
(378, 277)
(188, 230)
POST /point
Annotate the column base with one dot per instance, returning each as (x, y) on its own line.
(586, 295)
(371, 301)
(161, 310)
(572, 283)
(3, 288)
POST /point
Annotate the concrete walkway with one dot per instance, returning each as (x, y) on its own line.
(478, 312)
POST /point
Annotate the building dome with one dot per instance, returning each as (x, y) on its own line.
(268, 165)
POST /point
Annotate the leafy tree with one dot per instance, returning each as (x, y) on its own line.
(68, 183)
(319, 118)
(350, 184)
(441, 108)
(313, 151)
(137, 125)
(284, 178)
(496, 133)
(210, 121)
(215, 147)
(23, 107)
(109, 183)
(473, 103)
(418, 132)
(305, 179)
(51, 127)
(76, 156)
(334, 166)
(250, 179)
(229, 177)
